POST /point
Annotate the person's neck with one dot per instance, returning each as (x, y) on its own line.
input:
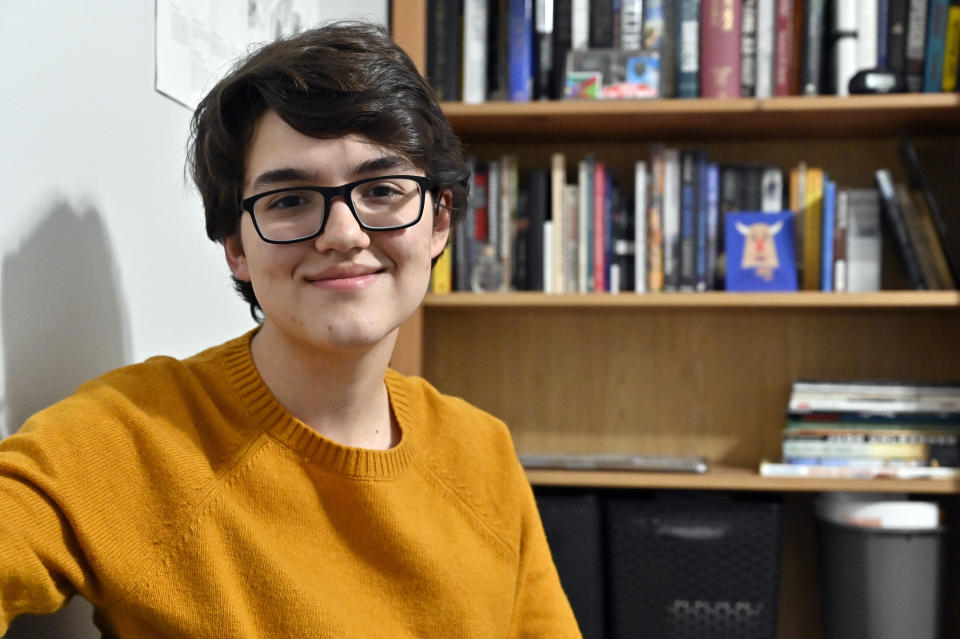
(339, 394)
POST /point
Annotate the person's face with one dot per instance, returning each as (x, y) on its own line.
(346, 288)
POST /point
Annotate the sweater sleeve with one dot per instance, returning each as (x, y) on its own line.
(39, 556)
(541, 608)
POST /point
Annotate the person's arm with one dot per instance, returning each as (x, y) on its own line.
(541, 608)
(39, 556)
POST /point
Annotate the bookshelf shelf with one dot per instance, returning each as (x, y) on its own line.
(741, 118)
(886, 299)
(733, 478)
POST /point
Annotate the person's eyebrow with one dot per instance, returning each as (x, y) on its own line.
(383, 163)
(281, 176)
(286, 175)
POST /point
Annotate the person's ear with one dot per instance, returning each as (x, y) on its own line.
(236, 259)
(441, 224)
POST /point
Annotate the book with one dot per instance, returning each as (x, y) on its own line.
(760, 253)
(783, 59)
(844, 39)
(840, 241)
(915, 44)
(861, 209)
(897, 37)
(893, 215)
(585, 171)
(951, 52)
(766, 37)
(640, 225)
(720, 45)
(947, 227)
(631, 25)
(932, 241)
(538, 182)
(814, 26)
(441, 277)
(443, 51)
(474, 51)
(542, 48)
(520, 50)
(671, 220)
(600, 244)
(712, 193)
(688, 48)
(828, 229)
(883, 34)
(688, 219)
(571, 223)
(668, 48)
(558, 180)
(580, 24)
(655, 221)
(812, 223)
(498, 56)
(817, 471)
(867, 25)
(935, 47)
(749, 35)
(562, 43)
(612, 74)
(602, 24)
(882, 398)
(918, 237)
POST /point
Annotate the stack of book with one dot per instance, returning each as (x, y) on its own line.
(870, 429)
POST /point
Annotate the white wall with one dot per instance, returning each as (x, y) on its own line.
(103, 257)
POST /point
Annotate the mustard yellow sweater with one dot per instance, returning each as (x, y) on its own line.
(183, 501)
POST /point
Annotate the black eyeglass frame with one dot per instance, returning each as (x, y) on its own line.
(330, 192)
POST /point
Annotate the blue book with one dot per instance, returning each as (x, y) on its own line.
(702, 222)
(936, 46)
(760, 251)
(828, 219)
(713, 222)
(520, 50)
(883, 32)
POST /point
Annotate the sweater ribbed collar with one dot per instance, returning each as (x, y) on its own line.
(267, 414)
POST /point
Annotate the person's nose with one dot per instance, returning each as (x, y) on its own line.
(342, 232)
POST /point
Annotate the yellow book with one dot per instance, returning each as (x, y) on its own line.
(952, 49)
(812, 231)
(441, 278)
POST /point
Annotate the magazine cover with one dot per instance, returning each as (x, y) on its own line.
(760, 252)
(610, 74)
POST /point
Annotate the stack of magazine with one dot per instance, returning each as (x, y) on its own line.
(865, 429)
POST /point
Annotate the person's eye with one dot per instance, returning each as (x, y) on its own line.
(383, 191)
(290, 200)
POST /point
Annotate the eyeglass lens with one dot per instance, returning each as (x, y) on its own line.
(299, 213)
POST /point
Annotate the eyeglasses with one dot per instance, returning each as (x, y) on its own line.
(299, 213)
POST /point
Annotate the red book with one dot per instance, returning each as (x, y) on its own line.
(783, 48)
(480, 222)
(599, 215)
(720, 48)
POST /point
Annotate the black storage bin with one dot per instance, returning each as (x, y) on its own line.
(572, 520)
(693, 566)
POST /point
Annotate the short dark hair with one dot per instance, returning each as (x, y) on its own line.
(339, 79)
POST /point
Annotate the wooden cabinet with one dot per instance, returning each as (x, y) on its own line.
(674, 373)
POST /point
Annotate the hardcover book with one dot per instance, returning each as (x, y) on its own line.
(720, 48)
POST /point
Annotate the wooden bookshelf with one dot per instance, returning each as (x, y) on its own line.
(682, 373)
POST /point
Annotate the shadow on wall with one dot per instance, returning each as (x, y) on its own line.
(63, 323)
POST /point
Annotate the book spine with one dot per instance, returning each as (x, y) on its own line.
(916, 39)
(720, 46)
(840, 242)
(599, 227)
(774, 469)
(867, 24)
(894, 216)
(897, 37)
(864, 245)
(538, 182)
(713, 223)
(671, 220)
(571, 260)
(520, 50)
(783, 48)
(917, 237)
(766, 36)
(951, 54)
(937, 255)
(494, 197)
(688, 220)
(441, 276)
(580, 24)
(498, 50)
(688, 49)
(844, 38)
(453, 16)
(748, 48)
(584, 216)
(464, 233)
(702, 221)
(813, 20)
(655, 222)
(829, 229)
(812, 224)
(474, 51)
(562, 42)
(601, 24)
(558, 180)
(668, 46)
(509, 202)
(883, 34)
(543, 49)
(641, 190)
(935, 46)
(631, 21)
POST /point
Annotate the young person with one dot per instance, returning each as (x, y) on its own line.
(287, 483)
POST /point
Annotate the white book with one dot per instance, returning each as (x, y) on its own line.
(671, 219)
(867, 26)
(766, 34)
(641, 189)
(493, 204)
(774, 469)
(864, 240)
(548, 257)
(509, 192)
(841, 225)
(475, 51)
(845, 42)
(558, 180)
(580, 24)
(631, 24)
(771, 190)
